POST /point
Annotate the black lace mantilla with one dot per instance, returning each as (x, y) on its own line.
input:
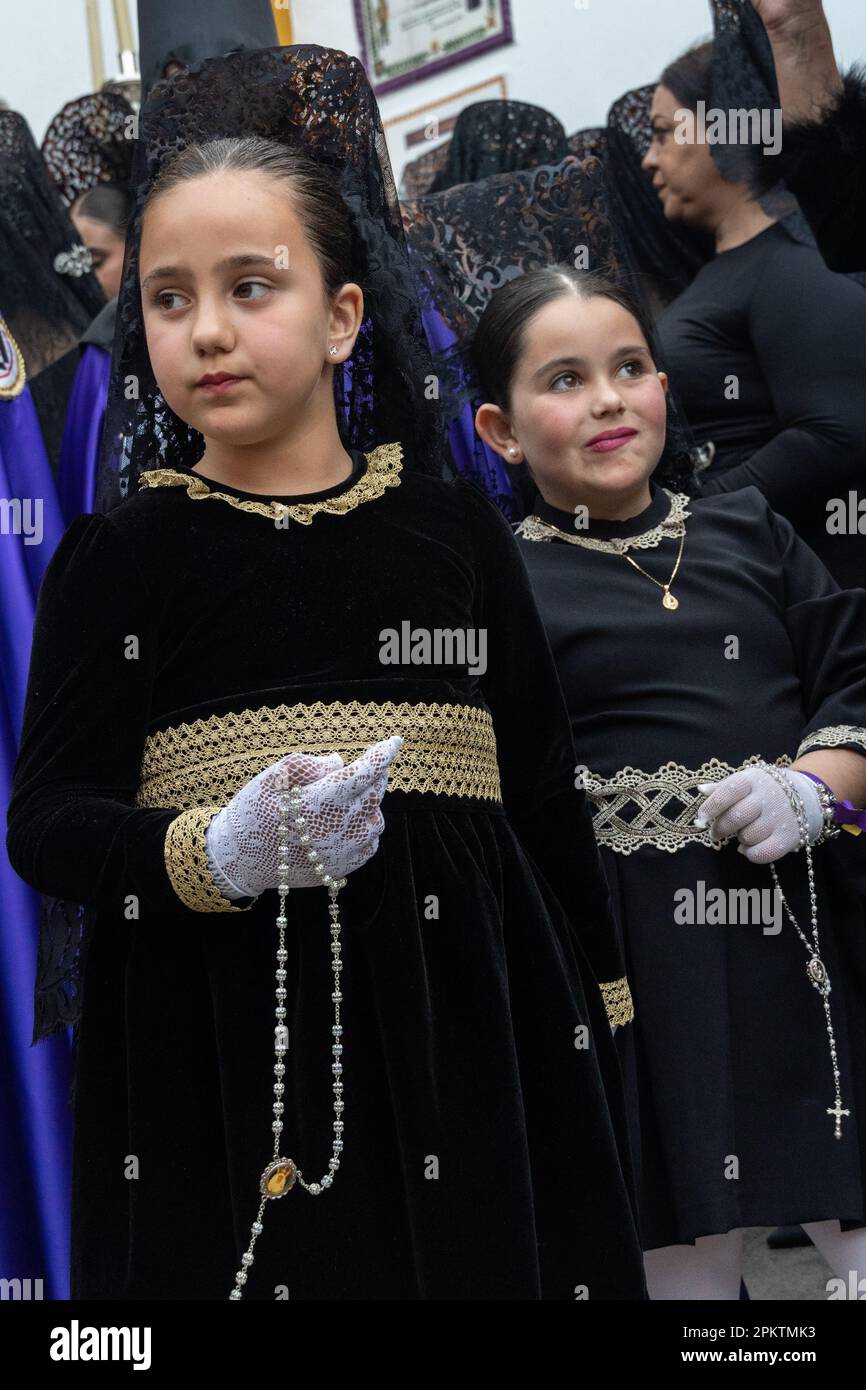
(319, 101)
(468, 241)
(496, 137)
(46, 311)
(90, 141)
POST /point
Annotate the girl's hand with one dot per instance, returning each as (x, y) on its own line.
(753, 806)
(343, 820)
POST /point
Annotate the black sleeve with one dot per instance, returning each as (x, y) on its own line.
(824, 164)
(827, 628)
(808, 329)
(537, 763)
(73, 829)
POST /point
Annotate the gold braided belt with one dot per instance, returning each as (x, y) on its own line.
(636, 808)
(448, 749)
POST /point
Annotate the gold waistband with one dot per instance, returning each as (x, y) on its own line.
(636, 808)
(448, 750)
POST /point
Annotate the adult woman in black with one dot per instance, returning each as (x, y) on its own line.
(767, 346)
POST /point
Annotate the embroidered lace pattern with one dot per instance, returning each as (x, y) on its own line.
(449, 750)
(186, 862)
(533, 528)
(636, 808)
(833, 736)
(617, 1000)
(384, 464)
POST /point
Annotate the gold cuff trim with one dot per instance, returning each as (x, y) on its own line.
(384, 464)
(448, 750)
(833, 737)
(617, 1000)
(186, 862)
(635, 808)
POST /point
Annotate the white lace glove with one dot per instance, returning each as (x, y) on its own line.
(751, 805)
(343, 821)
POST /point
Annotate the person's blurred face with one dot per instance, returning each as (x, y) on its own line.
(685, 176)
(106, 248)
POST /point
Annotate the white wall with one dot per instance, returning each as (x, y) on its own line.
(571, 59)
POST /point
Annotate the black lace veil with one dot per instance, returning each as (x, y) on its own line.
(90, 141)
(319, 101)
(468, 241)
(494, 137)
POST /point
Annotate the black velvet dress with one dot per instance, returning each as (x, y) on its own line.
(187, 640)
(767, 350)
(727, 1064)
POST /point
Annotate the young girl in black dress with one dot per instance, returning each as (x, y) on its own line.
(701, 646)
(445, 1051)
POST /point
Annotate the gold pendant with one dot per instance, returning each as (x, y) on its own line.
(669, 601)
(278, 1178)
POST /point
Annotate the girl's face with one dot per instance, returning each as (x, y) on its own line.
(584, 370)
(106, 248)
(684, 176)
(230, 285)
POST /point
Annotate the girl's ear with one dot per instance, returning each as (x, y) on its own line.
(347, 315)
(663, 378)
(494, 427)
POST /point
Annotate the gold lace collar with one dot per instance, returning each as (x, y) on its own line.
(384, 465)
(533, 528)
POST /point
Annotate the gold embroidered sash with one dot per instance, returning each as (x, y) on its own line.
(449, 750)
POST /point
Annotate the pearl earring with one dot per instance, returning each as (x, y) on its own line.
(512, 451)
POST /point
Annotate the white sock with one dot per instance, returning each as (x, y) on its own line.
(712, 1268)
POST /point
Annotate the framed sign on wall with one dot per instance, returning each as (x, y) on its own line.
(404, 40)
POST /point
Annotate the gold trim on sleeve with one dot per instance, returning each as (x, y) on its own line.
(617, 1000)
(186, 861)
(448, 749)
(384, 465)
(833, 736)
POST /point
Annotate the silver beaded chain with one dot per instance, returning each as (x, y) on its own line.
(281, 1173)
(815, 969)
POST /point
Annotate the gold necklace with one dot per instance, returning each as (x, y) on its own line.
(668, 601)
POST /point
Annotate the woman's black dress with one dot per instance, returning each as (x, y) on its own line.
(728, 1066)
(185, 641)
(767, 350)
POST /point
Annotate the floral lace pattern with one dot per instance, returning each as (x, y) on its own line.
(383, 470)
(89, 142)
(533, 528)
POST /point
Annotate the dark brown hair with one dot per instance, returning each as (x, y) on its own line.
(315, 195)
(499, 338)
